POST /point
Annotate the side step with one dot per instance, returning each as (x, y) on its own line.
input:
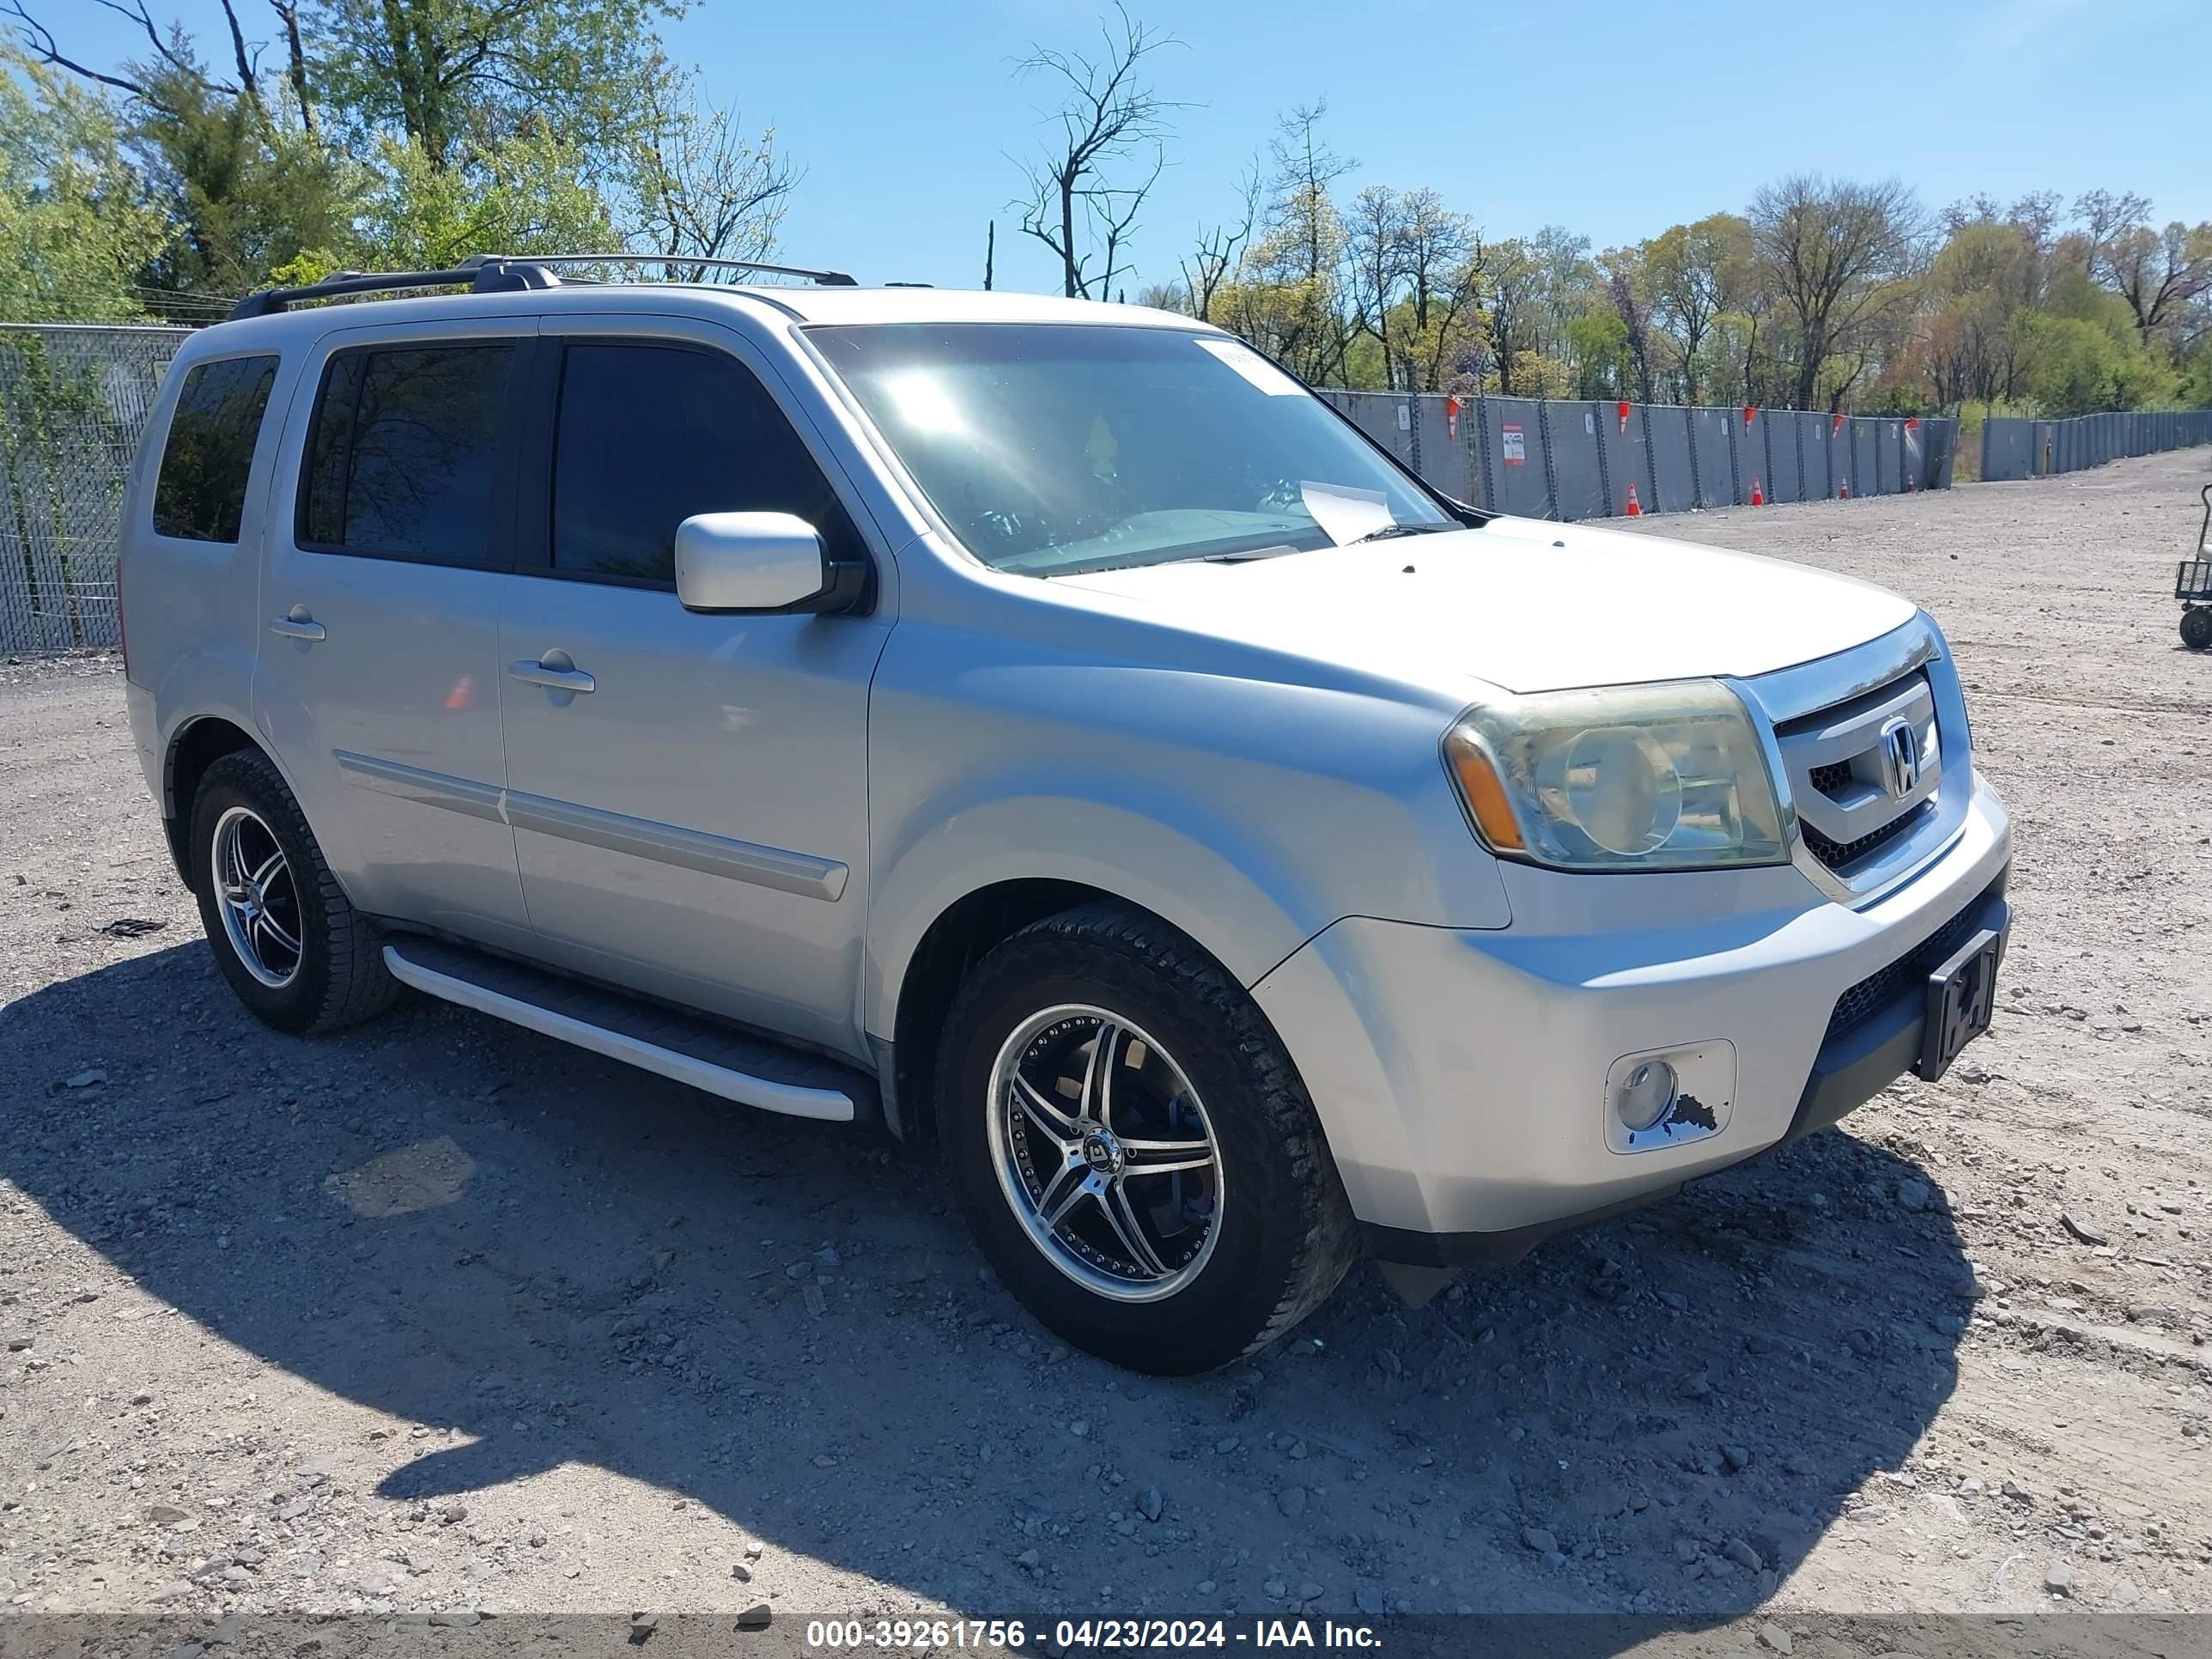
(687, 1048)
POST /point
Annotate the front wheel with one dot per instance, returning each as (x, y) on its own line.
(2197, 626)
(1132, 1147)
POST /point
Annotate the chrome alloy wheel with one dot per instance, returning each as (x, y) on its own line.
(1105, 1153)
(253, 889)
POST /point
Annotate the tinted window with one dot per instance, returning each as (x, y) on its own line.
(402, 456)
(201, 494)
(651, 435)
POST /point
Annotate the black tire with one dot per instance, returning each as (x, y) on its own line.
(1283, 1233)
(337, 974)
(2197, 626)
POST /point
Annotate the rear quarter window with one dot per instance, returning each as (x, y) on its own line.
(200, 495)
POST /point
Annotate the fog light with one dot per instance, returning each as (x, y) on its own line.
(1646, 1094)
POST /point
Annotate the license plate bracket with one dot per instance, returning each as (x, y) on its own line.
(1962, 1000)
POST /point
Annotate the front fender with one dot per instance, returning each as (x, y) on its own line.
(1231, 897)
(1169, 770)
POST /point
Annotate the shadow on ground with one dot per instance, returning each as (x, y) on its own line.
(563, 1260)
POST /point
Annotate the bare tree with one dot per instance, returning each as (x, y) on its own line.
(1082, 203)
(2161, 274)
(1300, 256)
(1833, 250)
(706, 187)
(2104, 214)
(173, 56)
(1375, 232)
(1218, 247)
(295, 58)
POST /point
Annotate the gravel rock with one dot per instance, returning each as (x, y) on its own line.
(1149, 1504)
(1291, 1501)
(1913, 1195)
(1540, 1539)
(1773, 1637)
(2059, 1580)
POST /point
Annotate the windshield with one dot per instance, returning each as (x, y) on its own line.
(1052, 449)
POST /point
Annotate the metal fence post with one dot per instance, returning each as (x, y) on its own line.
(1544, 438)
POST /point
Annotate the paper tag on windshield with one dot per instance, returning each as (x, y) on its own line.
(1253, 366)
(1345, 515)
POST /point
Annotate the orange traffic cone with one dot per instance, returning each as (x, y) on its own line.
(1635, 507)
(1843, 489)
(1758, 495)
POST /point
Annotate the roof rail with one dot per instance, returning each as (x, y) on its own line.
(820, 278)
(495, 273)
(482, 274)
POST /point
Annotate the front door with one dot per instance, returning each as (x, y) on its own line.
(689, 792)
(378, 680)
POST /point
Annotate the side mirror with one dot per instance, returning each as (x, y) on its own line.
(760, 561)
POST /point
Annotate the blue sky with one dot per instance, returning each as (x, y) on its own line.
(1614, 119)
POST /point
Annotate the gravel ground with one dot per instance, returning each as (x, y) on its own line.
(441, 1316)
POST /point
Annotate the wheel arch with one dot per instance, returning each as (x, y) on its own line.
(937, 911)
(195, 746)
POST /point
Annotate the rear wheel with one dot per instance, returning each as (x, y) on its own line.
(284, 932)
(1134, 1148)
(2197, 626)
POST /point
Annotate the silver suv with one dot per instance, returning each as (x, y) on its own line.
(1047, 729)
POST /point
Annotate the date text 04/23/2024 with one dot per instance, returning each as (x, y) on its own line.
(1082, 1635)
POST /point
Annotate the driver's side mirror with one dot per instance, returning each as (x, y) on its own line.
(760, 561)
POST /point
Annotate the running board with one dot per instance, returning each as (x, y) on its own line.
(687, 1047)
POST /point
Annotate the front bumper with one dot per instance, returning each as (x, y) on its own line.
(1460, 1074)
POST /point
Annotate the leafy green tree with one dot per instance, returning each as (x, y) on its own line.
(1833, 251)
(248, 189)
(75, 226)
(1696, 273)
(457, 79)
(526, 194)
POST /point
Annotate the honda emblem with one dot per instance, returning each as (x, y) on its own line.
(1900, 758)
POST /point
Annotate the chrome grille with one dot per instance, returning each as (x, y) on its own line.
(1849, 804)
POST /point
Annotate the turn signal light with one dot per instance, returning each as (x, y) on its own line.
(1484, 794)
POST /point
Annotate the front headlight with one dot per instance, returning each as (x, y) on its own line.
(1633, 777)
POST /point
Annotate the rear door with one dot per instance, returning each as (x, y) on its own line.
(379, 679)
(693, 822)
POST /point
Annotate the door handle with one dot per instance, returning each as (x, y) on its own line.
(297, 624)
(561, 676)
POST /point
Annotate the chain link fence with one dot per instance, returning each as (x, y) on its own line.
(2016, 448)
(1570, 458)
(73, 403)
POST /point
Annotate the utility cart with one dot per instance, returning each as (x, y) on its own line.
(2192, 583)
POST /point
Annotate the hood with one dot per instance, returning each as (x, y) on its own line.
(1524, 604)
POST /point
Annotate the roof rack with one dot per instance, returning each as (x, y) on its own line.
(497, 273)
(820, 278)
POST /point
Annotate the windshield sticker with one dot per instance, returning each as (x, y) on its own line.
(1345, 515)
(1253, 366)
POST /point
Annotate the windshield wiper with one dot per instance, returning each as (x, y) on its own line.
(1389, 531)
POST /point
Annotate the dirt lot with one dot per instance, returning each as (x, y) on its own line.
(443, 1316)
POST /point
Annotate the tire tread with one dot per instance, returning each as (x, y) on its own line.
(1118, 942)
(358, 986)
